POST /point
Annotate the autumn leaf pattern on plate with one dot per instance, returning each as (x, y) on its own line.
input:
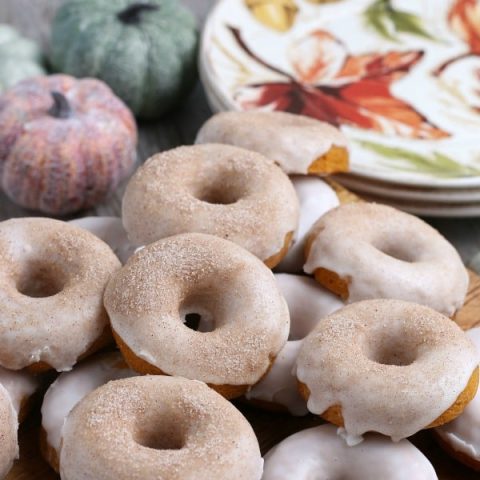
(335, 87)
(402, 75)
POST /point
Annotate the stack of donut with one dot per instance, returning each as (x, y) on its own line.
(355, 325)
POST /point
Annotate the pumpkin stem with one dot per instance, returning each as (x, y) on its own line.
(131, 14)
(60, 108)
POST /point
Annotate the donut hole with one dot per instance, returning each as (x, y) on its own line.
(39, 280)
(393, 350)
(164, 435)
(220, 189)
(398, 252)
(195, 317)
(217, 196)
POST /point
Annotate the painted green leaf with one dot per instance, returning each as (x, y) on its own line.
(438, 164)
(387, 21)
(376, 18)
(409, 23)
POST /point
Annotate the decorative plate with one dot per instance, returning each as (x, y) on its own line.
(409, 192)
(401, 78)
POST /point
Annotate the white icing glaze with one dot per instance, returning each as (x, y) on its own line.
(279, 386)
(19, 384)
(316, 198)
(8, 433)
(319, 453)
(111, 231)
(55, 328)
(193, 432)
(195, 273)
(391, 254)
(308, 303)
(70, 387)
(463, 433)
(293, 141)
(221, 190)
(413, 364)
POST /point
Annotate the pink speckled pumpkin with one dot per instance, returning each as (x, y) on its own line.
(65, 143)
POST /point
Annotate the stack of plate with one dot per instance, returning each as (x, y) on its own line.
(400, 78)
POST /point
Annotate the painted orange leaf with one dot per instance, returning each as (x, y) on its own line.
(354, 91)
(464, 17)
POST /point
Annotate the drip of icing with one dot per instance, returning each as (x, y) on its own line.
(316, 198)
(20, 385)
(111, 231)
(412, 361)
(308, 303)
(463, 433)
(71, 387)
(321, 454)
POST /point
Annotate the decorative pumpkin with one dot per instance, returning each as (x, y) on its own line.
(145, 51)
(65, 144)
(20, 58)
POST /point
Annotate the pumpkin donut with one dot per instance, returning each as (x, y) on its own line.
(217, 189)
(8, 433)
(52, 279)
(365, 250)
(321, 454)
(146, 428)
(69, 389)
(241, 317)
(307, 303)
(417, 369)
(316, 198)
(299, 144)
(20, 385)
(461, 437)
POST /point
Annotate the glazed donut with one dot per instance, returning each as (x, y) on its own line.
(20, 386)
(67, 390)
(216, 189)
(321, 454)
(391, 254)
(111, 231)
(417, 369)
(461, 438)
(316, 198)
(243, 323)
(307, 303)
(52, 279)
(135, 428)
(299, 144)
(8, 433)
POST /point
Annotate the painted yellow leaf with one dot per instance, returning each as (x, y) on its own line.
(276, 14)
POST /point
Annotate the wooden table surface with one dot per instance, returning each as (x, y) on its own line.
(33, 17)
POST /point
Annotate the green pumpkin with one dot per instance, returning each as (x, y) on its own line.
(145, 51)
(20, 58)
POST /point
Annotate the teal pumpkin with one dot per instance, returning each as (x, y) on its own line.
(20, 58)
(145, 51)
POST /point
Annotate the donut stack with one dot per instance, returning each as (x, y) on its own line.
(355, 325)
